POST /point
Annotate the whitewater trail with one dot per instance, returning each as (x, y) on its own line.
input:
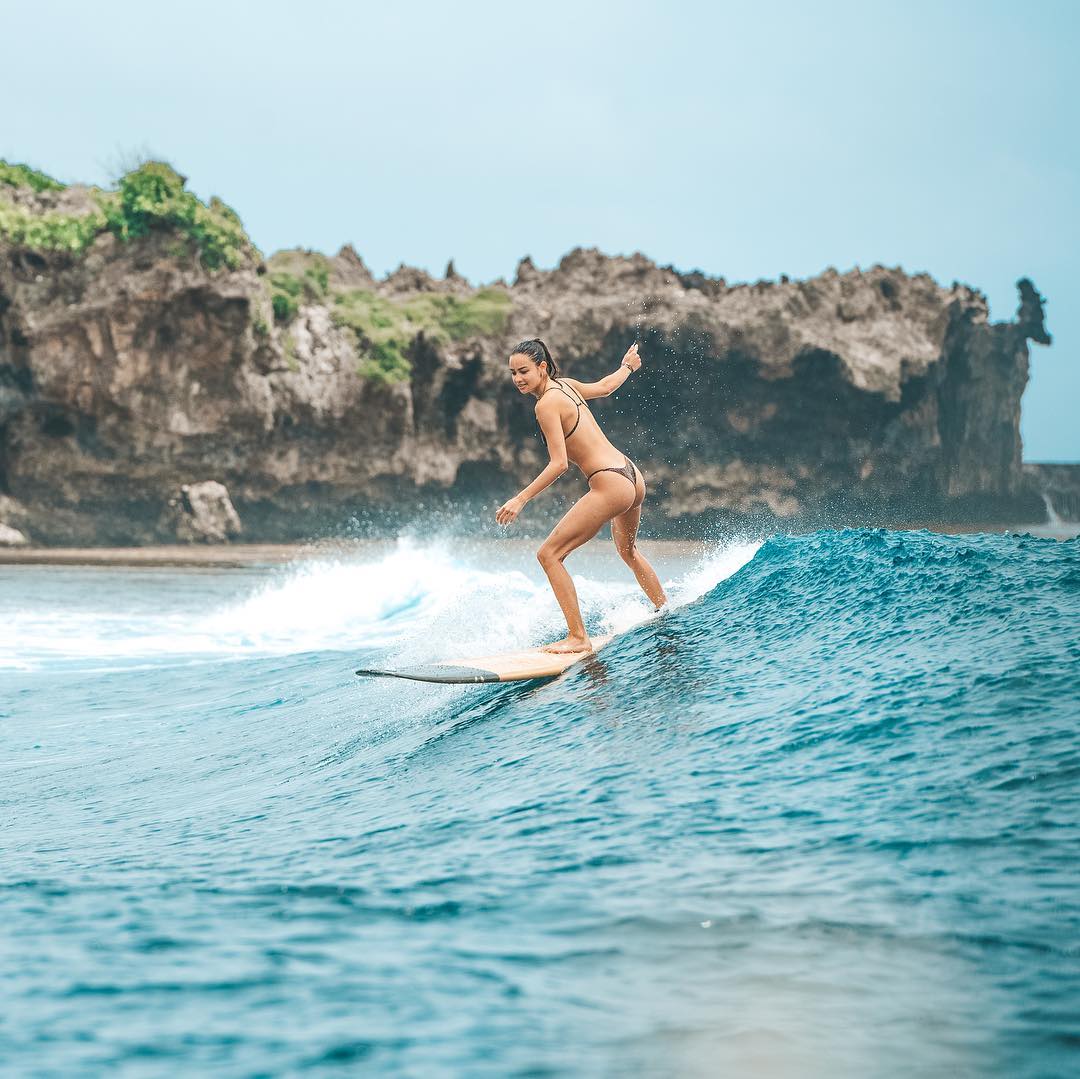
(421, 601)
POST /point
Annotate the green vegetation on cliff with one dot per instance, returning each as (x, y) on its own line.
(385, 328)
(15, 175)
(154, 196)
(49, 231)
(151, 198)
(296, 278)
(42, 214)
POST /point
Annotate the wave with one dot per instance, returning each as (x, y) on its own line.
(869, 628)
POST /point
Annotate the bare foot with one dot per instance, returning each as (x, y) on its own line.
(569, 644)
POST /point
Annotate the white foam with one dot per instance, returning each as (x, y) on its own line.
(420, 601)
(331, 604)
(633, 609)
(717, 565)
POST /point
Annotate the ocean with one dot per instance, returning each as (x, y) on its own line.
(820, 818)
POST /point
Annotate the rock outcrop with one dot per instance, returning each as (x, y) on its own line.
(319, 395)
(12, 514)
(202, 513)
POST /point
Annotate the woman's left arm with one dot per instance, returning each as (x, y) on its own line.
(607, 385)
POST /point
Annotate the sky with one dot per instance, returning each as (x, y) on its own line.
(745, 140)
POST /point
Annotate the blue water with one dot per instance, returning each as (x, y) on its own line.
(820, 819)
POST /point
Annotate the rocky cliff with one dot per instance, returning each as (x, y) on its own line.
(141, 351)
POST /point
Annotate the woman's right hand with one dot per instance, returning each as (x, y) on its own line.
(632, 359)
(507, 513)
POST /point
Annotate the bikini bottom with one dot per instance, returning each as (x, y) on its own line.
(627, 470)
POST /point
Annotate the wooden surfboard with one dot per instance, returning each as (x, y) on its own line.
(509, 667)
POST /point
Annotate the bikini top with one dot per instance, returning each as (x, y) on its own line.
(578, 401)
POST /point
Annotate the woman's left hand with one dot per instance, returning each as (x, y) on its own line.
(509, 510)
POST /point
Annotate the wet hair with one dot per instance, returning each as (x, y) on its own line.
(537, 351)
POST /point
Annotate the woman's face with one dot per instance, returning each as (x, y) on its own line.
(526, 373)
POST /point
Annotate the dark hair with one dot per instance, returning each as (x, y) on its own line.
(537, 351)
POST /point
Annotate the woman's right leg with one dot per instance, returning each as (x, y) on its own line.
(581, 522)
(624, 532)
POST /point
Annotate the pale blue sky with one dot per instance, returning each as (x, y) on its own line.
(747, 140)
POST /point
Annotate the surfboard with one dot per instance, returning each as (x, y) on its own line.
(508, 667)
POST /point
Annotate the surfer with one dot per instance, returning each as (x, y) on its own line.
(616, 488)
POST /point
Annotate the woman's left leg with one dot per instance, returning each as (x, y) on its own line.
(583, 520)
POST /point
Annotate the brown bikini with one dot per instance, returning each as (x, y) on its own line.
(626, 470)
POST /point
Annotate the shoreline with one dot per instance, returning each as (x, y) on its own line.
(243, 555)
(180, 556)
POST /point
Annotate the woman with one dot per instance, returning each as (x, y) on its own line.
(616, 487)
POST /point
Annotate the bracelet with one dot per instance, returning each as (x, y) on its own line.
(628, 367)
